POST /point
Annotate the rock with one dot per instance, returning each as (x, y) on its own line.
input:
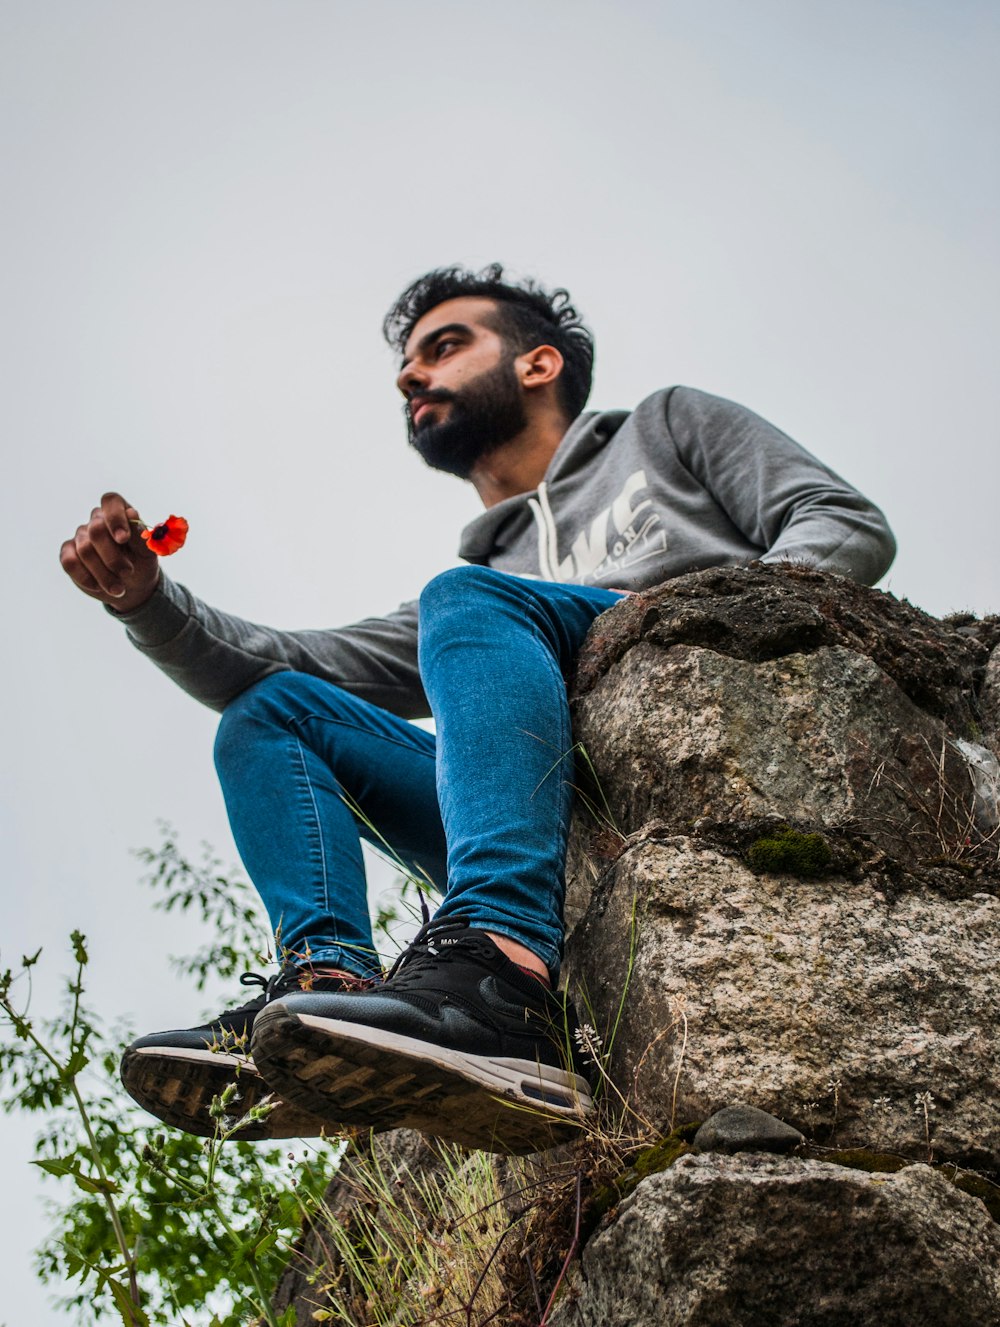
(989, 701)
(761, 1241)
(792, 873)
(830, 1003)
(766, 612)
(746, 1129)
(686, 733)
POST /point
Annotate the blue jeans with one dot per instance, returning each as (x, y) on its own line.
(482, 811)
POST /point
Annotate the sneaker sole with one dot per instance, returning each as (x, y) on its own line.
(365, 1077)
(178, 1085)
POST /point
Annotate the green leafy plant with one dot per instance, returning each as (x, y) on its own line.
(44, 1068)
(156, 1226)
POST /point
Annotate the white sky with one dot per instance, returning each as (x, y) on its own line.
(209, 208)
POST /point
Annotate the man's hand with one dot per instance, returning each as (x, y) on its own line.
(108, 560)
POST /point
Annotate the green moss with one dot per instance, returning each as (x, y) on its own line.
(881, 1163)
(977, 1186)
(650, 1161)
(863, 1158)
(791, 851)
(954, 864)
(662, 1155)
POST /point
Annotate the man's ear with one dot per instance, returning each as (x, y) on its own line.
(539, 367)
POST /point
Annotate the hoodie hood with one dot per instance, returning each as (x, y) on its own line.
(588, 435)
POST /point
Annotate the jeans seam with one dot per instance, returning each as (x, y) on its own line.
(325, 902)
(347, 799)
(565, 790)
(300, 719)
(551, 952)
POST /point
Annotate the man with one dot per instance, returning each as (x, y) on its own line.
(464, 1038)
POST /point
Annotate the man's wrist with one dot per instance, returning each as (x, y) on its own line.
(128, 605)
(160, 618)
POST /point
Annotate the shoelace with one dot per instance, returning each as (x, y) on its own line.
(426, 947)
(285, 979)
(289, 978)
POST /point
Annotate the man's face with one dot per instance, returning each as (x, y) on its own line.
(464, 398)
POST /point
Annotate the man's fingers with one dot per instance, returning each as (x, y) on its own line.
(77, 572)
(108, 581)
(107, 563)
(116, 512)
(108, 560)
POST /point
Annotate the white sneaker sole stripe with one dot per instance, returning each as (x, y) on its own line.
(537, 1084)
(189, 1053)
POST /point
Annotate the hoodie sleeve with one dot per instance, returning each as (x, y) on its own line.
(214, 656)
(778, 495)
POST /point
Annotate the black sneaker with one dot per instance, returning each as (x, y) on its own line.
(458, 1042)
(175, 1075)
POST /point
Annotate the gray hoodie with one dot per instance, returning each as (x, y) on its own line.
(684, 481)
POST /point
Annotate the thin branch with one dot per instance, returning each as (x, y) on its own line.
(534, 1286)
(483, 1274)
(575, 1244)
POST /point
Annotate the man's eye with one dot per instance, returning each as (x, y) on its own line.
(444, 345)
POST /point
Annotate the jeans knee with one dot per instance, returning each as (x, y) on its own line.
(271, 701)
(454, 590)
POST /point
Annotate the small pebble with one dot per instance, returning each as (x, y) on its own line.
(744, 1128)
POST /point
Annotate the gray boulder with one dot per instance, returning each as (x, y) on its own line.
(828, 737)
(786, 890)
(990, 701)
(830, 1003)
(736, 1241)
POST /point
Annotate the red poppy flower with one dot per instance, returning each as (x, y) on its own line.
(167, 537)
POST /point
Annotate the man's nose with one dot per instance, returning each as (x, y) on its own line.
(410, 379)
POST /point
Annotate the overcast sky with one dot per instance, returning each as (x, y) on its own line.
(210, 206)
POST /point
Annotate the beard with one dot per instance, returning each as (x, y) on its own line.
(484, 415)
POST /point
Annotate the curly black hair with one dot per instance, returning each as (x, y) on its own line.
(527, 315)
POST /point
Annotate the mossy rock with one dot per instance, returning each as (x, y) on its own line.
(861, 1158)
(651, 1160)
(790, 851)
